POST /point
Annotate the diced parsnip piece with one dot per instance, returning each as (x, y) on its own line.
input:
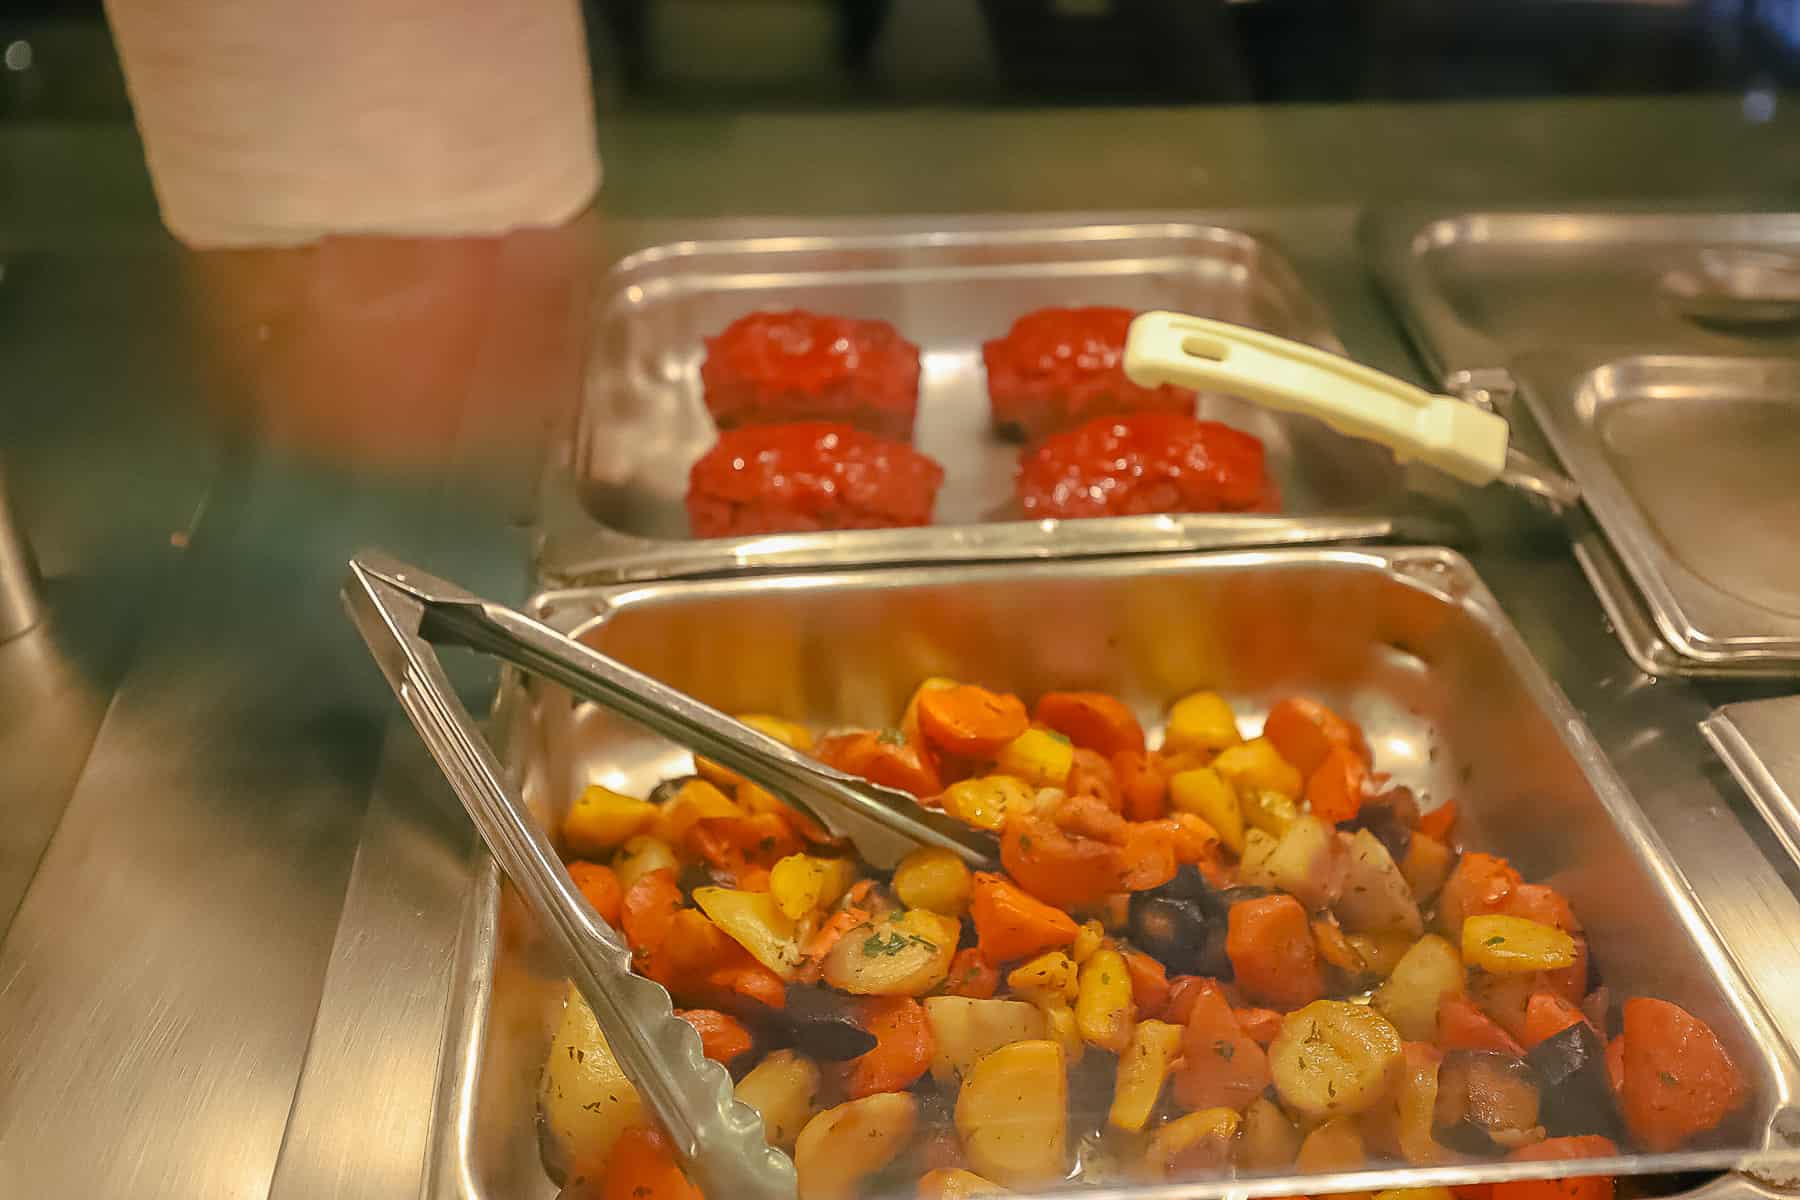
(1204, 792)
(1253, 863)
(1333, 1058)
(1012, 1114)
(1203, 722)
(1336, 1145)
(601, 818)
(1143, 1069)
(1050, 976)
(963, 1029)
(1418, 986)
(788, 733)
(1060, 1027)
(804, 883)
(695, 801)
(1199, 1141)
(954, 1183)
(1270, 812)
(754, 921)
(909, 720)
(844, 1145)
(986, 802)
(1256, 766)
(782, 1087)
(1103, 1005)
(1308, 862)
(899, 955)
(584, 1096)
(1503, 945)
(1090, 939)
(1268, 1139)
(1375, 898)
(1403, 1123)
(1426, 864)
(1381, 952)
(933, 878)
(1037, 756)
(641, 855)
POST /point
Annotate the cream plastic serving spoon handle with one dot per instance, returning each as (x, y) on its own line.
(1457, 438)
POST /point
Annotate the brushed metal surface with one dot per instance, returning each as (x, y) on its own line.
(947, 285)
(1759, 740)
(1688, 464)
(1415, 649)
(361, 1119)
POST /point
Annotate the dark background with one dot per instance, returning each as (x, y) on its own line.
(57, 59)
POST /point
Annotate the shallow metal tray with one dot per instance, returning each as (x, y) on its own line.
(1475, 288)
(1691, 465)
(1408, 642)
(1759, 741)
(616, 507)
(1514, 298)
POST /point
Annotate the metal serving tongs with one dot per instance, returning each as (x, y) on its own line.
(404, 614)
(1462, 440)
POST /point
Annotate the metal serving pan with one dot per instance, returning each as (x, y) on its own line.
(1691, 465)
(615, 509)
(1407, 641)
(1619, 330)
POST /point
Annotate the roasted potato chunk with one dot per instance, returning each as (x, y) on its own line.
(1012, 1114)
(1334, 1059)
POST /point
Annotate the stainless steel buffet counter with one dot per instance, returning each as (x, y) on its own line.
(236, 889)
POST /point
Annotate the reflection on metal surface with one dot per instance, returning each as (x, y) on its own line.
(1737, 286)
(609, 558)
(947, 287)
(20, 606)
(1688, 466)
(49, 709)
(1408, 642)
(1541, 482)
(1760, 743)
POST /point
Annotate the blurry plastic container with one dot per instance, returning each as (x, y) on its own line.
(268, 123)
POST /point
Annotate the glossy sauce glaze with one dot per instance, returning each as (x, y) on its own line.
(1059, 367)
(1146, 463)
(773, 367)
(809, 476)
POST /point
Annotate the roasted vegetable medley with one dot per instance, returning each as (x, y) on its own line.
(1225, 954)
